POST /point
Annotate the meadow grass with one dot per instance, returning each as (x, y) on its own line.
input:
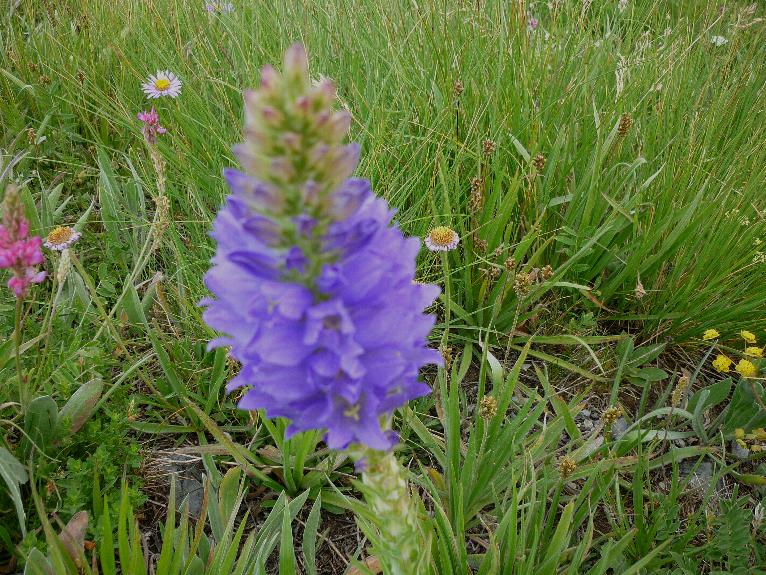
(628, 156)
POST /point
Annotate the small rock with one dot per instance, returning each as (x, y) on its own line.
(739, 451)
(194, 490)
(619, 428)
(702, 477)
(585, 413)
(679, 443)
(587, 424)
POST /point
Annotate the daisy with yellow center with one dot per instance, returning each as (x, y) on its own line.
(162, 84)
(442, 239)
(746, 368)
(754, 351)
(748, 336)
(722, 364)
(710, 334)
(61, 238)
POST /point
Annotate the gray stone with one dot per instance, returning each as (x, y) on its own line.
(619, 428)
(191, 488)
(739, 451)
(702, 474)
(587, 424)
(585, 413)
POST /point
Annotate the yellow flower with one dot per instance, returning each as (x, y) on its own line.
(710, 334)
(722, 363)
(748, 336)
(746, 369)
(754, 351)
(739, 433)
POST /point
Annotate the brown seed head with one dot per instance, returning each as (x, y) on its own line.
(487, 407)
(567, 466)
(612, 414)
(626, 121)
(522, 284)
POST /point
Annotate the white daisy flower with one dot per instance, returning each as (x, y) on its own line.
(61, 238)
(442, 239)
(162, 84)
(718, 40)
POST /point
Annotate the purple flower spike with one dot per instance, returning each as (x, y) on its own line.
(313, 285)
(151, 127)
(18, 252)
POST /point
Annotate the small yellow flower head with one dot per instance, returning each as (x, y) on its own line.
(710, 334)
(441, 239)
(742, 444)
(488, 407)
(748, 336)
(754, 351)
(739, 433)
(567, 466)
(746, 368)
(722, 364)
(446, 352)
(612, 414)
(680, 389)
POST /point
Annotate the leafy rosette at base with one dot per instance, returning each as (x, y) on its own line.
(313, 284)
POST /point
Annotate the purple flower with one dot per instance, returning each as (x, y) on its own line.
(313, 284)
(151, 127)
(19, 253)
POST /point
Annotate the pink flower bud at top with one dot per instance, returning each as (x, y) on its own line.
(296, 68)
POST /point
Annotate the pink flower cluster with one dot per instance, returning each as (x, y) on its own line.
(19, 253)
(151, 126)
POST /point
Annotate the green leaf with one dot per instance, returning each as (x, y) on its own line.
(38, 564)
(80, 406)
(14, 474)
(717, 393)
(39, 425)
(287, 564)
(310, 537)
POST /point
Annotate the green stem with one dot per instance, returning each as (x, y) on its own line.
(447, 296)
(400, 545)
(18, 338)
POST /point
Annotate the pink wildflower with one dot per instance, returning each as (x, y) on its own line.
(18, 252)
(151, 126)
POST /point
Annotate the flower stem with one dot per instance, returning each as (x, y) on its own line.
(18, 337)
(401, 545)
(447, 295)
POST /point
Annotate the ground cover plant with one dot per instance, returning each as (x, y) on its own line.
(578, 195)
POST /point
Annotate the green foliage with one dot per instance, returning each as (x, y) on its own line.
(652, 233)
(185, 545)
